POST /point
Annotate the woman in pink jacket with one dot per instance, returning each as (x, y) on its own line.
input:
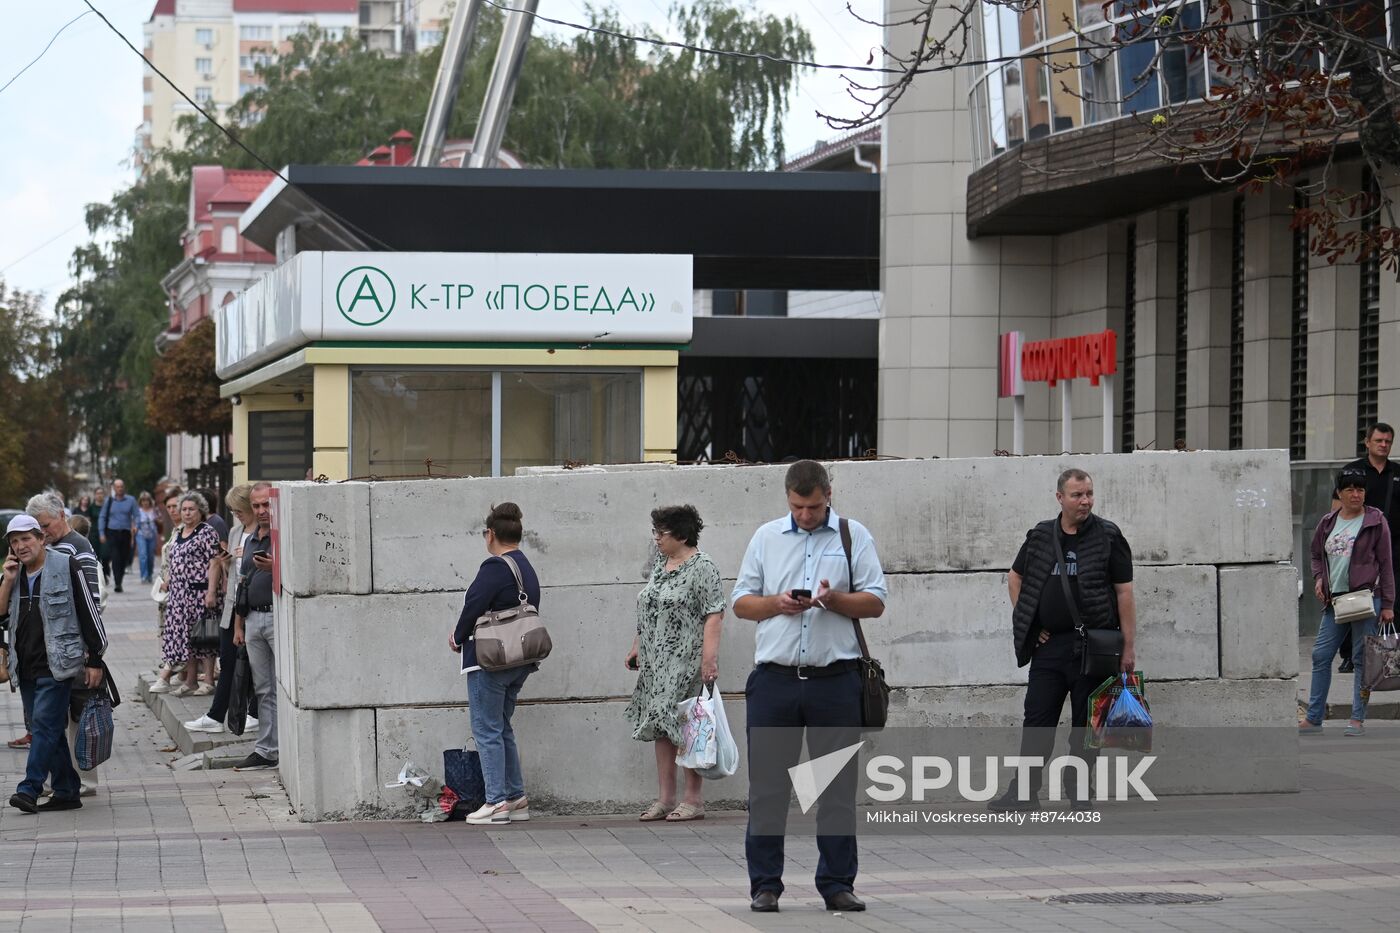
(1350, 551)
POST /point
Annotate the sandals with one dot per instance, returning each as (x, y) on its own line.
(685, 813)
(657, 811)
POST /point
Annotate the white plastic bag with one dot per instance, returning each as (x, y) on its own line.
(726, 751)
(697, 721)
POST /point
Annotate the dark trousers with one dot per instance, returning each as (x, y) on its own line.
(228, 662)
(1344, 651)
(46, 700)
(1055, 675)
(787, 702)
(119, 550)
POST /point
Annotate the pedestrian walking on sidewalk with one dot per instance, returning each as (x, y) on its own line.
(256, 633)
(58, 640)
(1382, 492)
(803, 587)
(116, 527)
(147, 534)
(1074, 573)
(492, 694)
(1351, 550)
(675, 650)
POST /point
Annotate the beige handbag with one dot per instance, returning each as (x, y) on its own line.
(1356, 606)
(4, 665)
(515, 637)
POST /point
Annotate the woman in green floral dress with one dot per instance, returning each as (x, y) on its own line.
(676, 648)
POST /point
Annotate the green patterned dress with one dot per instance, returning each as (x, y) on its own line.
(671, 612)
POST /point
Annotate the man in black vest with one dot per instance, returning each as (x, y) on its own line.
(1096, 586)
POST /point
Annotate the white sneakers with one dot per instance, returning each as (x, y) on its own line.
(204, 724)
(160, 686)
(250, 725)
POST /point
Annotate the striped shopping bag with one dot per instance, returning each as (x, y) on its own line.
(94, 741)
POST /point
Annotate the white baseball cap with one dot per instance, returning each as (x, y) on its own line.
(22, 523)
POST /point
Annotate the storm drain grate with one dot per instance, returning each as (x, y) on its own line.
(1146, 898)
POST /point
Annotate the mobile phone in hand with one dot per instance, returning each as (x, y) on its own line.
(633, 663)
(801, 594)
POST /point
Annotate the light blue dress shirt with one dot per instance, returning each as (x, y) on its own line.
(782, 557)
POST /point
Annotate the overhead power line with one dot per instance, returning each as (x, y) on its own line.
(233, 137)
(45, 51)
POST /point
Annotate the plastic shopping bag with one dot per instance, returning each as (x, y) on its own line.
(1128, 721)
(726, 750)
(1381, 660)
(698, 749)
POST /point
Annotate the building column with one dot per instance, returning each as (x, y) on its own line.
(1155, 330)
(330, 422)
(660, 386)
(1388, 394)
(1208, 323)
(1268, 317)
(1334, 317)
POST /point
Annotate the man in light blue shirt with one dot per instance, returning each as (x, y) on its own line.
(116, 528)
(797, 583)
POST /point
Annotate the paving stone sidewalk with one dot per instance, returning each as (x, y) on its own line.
(162, 850)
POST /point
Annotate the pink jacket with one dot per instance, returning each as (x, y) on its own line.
(1371, 558)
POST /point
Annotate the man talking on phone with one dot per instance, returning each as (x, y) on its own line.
(256, 634)
(795, 583)
(57, 640)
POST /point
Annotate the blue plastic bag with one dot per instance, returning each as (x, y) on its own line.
(1128, 724)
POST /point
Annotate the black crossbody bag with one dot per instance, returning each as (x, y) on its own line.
(874, 691)
(1100, 649)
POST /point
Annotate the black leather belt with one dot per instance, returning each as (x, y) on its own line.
(267, 608)
(805, 671)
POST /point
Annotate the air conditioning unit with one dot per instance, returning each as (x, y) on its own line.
(209, 46)
(208, 76)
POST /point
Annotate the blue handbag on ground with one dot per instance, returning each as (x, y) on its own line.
(461, 771)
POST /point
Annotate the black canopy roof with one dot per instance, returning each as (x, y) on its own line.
(763, 230)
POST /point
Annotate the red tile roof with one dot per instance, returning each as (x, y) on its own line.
(163, 8)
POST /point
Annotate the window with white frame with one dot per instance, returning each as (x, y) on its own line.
(204, 36)
(255, 33)
(203, 95)
(203, 65)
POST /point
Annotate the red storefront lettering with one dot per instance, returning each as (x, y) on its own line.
(1084, 357)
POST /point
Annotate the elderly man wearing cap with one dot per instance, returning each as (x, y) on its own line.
(57, 642)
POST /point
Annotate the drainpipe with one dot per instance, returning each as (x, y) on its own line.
(454, 56)
(495, 108)
(864, 163)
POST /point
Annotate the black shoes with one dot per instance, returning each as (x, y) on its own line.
(60, 803)
(1346, 667)
(766, 902)
(255, 762)
(1009, 802)
(843, 900)
(24, 802)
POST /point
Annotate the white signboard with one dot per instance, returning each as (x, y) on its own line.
(456, 297)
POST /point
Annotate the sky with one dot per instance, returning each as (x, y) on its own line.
(71, 118)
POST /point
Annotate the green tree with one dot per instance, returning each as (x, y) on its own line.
(33, 419)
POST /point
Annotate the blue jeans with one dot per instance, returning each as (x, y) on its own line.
(492, 696)
(146, 555)
(46, 700)
(1329, 636)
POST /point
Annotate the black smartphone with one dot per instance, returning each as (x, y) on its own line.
(801, 594)
(633, 664)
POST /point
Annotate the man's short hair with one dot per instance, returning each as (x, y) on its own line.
(259, 486)
(805, 477)
(1072, 473)
(1379, 427)
(45, 503)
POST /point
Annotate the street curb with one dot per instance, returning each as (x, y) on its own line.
(174, 712)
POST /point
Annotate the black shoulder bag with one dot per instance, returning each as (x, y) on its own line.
(874, 692)
(1100, 649)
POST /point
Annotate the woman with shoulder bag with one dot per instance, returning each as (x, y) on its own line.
(240, 505)
(492, 694)
(192, 586)
(1354, 580)
(676, 649)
